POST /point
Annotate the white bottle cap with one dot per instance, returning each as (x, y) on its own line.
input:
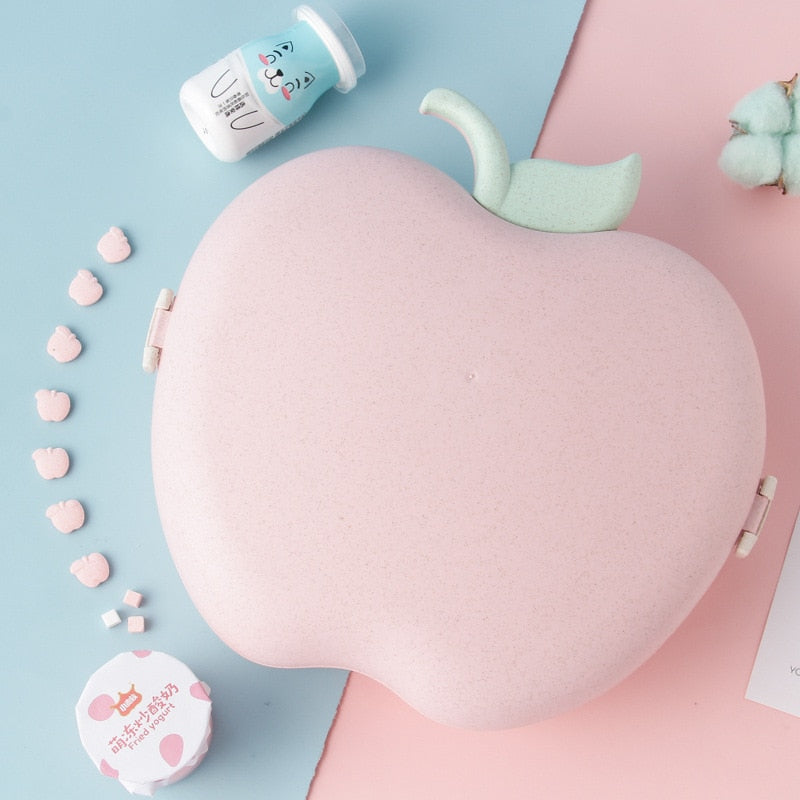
(337, 38)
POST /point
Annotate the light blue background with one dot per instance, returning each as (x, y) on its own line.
(93, 136)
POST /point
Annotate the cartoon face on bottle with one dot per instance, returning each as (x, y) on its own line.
(275, 80)
(272, 79)
(243, 100)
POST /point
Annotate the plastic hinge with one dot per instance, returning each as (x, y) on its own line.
(757, 516)
(157, 330)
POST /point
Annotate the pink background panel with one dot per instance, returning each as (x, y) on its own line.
(660, 79)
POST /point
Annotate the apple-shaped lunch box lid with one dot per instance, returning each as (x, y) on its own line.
(399, 431)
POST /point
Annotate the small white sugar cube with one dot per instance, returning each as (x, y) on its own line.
(136, 624)
(111, 618)
(132, 598)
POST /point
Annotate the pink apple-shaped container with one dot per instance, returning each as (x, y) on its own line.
(492, 467)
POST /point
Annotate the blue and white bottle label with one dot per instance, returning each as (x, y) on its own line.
(290, 71)
(253, 94)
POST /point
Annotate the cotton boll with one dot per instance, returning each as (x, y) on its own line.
(791, 163)
(752, 160)
(764, 110)
(794, 100)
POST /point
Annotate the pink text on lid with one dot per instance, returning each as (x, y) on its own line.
(138, 728)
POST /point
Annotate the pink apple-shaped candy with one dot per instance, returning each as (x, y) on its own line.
(64, 345)
(85, 289)
(91, 570)
(53, 406)
(67, 515)
(114, 246)
(51, 462)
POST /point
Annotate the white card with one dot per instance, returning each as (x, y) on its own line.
(775, 679)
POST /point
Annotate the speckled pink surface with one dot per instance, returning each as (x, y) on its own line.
(659, 78)
(491, 468)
